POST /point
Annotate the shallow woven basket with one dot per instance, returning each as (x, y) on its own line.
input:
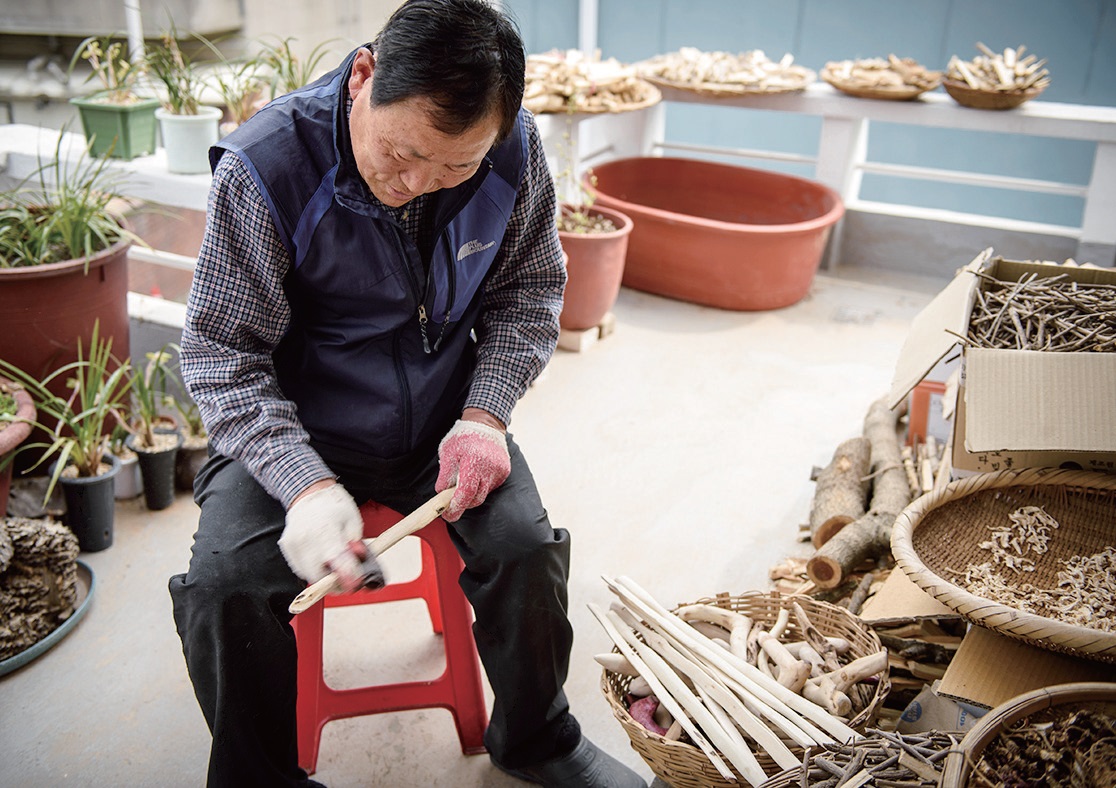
(988, 99)
(905, 92)
(729, 90)
(683, 765)
(940, 533)
(1042, 705)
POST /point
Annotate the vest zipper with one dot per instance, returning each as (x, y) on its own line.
(400, 372)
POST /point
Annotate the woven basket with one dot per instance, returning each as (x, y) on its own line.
(988, 99)
(730, 90)
(940, 533)
(905, 92)
(683, 765)
(1041, 705)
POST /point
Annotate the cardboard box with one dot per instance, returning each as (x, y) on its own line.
(990, 669)
(1015, 408)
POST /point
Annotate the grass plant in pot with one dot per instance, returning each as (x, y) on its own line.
(155, 443)
(129, 483)
(189, 127)
(63, 264)
(17, 414)
(76, 429)
(118, 122)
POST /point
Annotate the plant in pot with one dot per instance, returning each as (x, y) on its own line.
(189, 127)
(595, 242)
(63, 264)
(118, 122)
(77, 427)
(287, 70)
(17, 414)
(195, 443)
(239, 82)
(128, 483)
(154, 438)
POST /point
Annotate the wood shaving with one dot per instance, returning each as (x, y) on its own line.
(1086, 591)
(570, 81)
(752, 71)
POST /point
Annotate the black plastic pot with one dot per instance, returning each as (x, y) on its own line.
(91, 507)
(157, 472)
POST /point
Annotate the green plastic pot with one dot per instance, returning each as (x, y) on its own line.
(123, 131)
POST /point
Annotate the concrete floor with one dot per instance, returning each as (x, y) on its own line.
(677, 451)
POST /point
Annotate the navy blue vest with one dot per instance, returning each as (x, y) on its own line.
(353, 359)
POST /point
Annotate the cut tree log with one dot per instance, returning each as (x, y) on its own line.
(870, 535)
(841, 493)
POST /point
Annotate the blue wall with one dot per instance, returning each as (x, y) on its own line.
(1077, 37)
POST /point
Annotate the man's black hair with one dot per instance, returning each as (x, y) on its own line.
(464, 55)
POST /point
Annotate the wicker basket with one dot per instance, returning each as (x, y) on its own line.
(683, 765)
(940, 533)
(988, 99)
(1041, 705)
(730, 90)
(904, 92)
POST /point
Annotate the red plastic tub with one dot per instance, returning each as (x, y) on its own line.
(718, 234)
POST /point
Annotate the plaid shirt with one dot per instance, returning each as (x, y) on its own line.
(237, 313)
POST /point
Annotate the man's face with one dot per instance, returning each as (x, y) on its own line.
(399, 152)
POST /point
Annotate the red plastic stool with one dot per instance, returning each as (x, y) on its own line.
(458, 689)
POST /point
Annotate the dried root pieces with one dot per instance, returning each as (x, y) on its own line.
(995, 71)
(750, 71)
(573, 82)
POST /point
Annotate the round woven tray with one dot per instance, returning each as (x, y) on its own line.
(939, 535)
(683, 765)
(726, 90)
(651, 97)
(1041, 705)
(988, 99)
(898, 93)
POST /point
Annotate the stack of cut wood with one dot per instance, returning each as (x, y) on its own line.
(731, 686)
(857, 499)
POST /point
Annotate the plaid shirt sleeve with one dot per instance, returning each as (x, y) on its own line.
(518, 330)
(236, 314)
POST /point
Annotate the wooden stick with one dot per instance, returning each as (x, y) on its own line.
(662, 693)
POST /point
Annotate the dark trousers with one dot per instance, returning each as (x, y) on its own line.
(231, 612)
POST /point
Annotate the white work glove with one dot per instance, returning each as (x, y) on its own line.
(474, 457)
(318, 537)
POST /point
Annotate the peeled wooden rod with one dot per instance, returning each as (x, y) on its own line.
(415, 521)
(756, 692)
(771, 691)
(754, 699)
(704, 679)
(733, 748)
(662, 693)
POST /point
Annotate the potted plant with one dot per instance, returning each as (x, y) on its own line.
(189, 127)
(17, 414)
(288, 71)
(128, 482)
(595, 242)
(239, 83)
(77, 427)
(63, 264)
(154, 438)
(117, 121)
(195, 444)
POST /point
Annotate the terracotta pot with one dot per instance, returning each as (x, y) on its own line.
(717, 234)
(11, 436)
(595, 269)
(46, 309)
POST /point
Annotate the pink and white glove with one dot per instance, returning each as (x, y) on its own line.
(321, 530)
(474, 457)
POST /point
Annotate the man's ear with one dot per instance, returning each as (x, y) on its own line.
(364, 63)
